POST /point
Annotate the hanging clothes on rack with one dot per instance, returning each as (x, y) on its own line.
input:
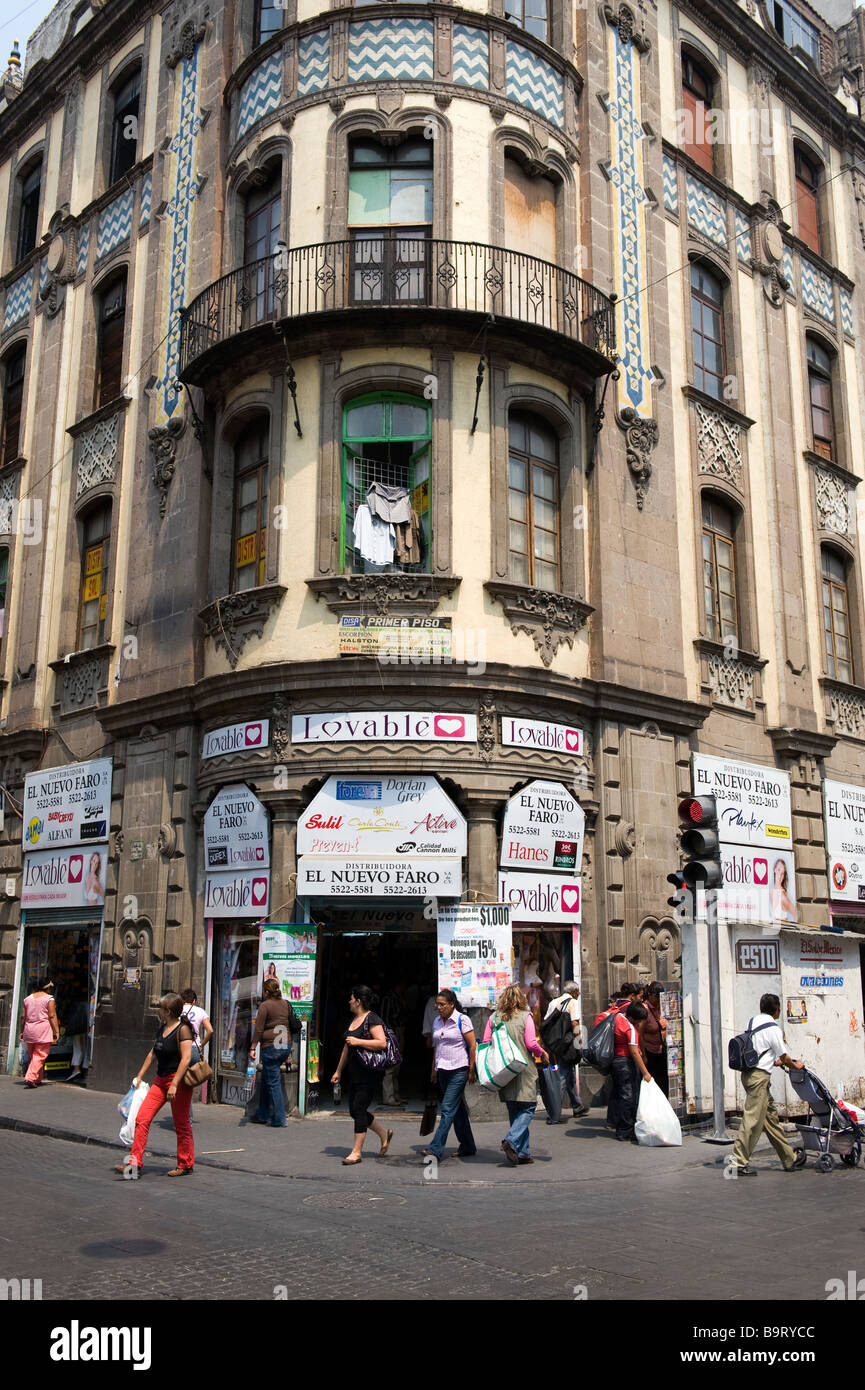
(373, 537)
(407, 540)
(389, 503)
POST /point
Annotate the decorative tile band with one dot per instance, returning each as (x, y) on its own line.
(18, 298)
(671, 185)
(533, 82)
(83, 247)
(471, 57)
(846, 310)
(817, 291)
(115, 224)
(706, 211)
(381, 50)
(787, 263)
(261, 92)
(313, 63)
(146, 198)
(743, 237)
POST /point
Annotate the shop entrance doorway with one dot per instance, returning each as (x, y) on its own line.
(391, 962)
(69, 957)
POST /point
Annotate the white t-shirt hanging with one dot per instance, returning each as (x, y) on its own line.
(373, 537)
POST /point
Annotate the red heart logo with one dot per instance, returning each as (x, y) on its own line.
(572, 740)
(259, 854)
(259, 890)
(449, 727)
(761, 871)
(76, 867)
(252, 734)
(571, 899)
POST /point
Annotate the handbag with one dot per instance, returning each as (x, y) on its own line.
(428, 1118)
(499, 1060)
(381, 1060)
(198, 1073)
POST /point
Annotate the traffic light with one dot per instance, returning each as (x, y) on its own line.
(698, 816)
(682, 901)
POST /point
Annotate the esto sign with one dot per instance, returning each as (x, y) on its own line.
(543, 829)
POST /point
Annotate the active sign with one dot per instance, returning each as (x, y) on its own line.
(67, 805)
(543, 829)
(236, 830)
(475, 952)
(844, 805)
(360, 817)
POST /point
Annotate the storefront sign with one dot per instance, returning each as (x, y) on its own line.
(475, 952)
(395, 638)
(236, 738)
(821, 963)
(388, 726)
(543, 829)
(753, 802)
(236, 830)
(381, 817)
(288, 955)
(245, 893)
(536, 733)
(758, 886)
(541, 897)
(64, 878)
(757, 957)
(67, 805)
(844, 805)
(378, 878)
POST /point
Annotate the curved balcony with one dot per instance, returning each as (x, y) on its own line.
(393, 278)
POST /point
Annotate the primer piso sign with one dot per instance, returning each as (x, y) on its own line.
(236, 738)
(384, 726)
(758, 885)
(64, 878)
(236, 830)
(382, 817)
(319, 876)
(541, 897)
(245, 893)
(753, 801)
(844, 809)
(475, 952)
(543, 829)
(67, 805)
(536, 733)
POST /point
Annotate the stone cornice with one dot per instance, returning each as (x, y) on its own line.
(397, 595)
(796, 743)
(693, 393)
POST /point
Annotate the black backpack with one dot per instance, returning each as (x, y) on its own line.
(598, 1051)
(557, 1036)
(742, 1055)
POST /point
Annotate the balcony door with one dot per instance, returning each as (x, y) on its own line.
(261, 228)
(390, 221)
(532, 288)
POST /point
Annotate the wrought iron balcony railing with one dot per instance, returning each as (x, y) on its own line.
(400, 272)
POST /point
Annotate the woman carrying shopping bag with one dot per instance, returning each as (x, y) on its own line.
(521, 1094)
(172, 1052)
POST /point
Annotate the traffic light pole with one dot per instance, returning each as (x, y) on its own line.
(719, 1134)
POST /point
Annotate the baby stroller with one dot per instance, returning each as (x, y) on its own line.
(832, 1131)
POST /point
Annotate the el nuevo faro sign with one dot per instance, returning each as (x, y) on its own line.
(543, 829)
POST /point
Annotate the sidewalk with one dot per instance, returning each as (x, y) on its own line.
(579, 1151)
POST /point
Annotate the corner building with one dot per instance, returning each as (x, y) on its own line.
(482, 263)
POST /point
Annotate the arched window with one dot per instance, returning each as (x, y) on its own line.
(807, 193)
(93, 605)
(719, 570)
(30, 186)
(386, 485)
(820, 394)
(697, 99)
(268, 20)
(110, 328)
(124, 126)
(707, 330)
(390, 208)
(530, 212)
(531, 15)
(251, 464)
(262, 222)
(533, 503)
(13, 397)
(836, 624)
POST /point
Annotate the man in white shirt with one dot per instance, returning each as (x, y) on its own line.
(760, 1113)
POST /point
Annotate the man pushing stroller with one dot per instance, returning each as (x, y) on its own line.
(760, 1113)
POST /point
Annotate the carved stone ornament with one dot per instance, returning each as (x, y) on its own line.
(280, 727)
(845, 710)
(761, 78)
(731, 682)
(167, 841)
(486, 728)
(81, 676)
(97, 455)
(232, 620)
(718, 449)
(624, 20)
(625, 839)
(833, 502)
(190, 35)
(163, 445)
(548, 618)
(395, 594)
(641, 437)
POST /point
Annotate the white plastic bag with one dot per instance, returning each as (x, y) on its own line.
(657, 1122)
(127, 1133)
(499, 1060)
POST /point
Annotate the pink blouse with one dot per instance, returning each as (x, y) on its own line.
(531, 1036)
(37, 1024)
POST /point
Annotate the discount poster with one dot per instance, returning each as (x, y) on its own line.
(475, 952)
(288, 954)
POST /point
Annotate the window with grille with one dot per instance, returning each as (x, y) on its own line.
(124, 127)
(533, 503)
(820, 392)
(531, 15)
(261, 234)
(836, 624)
(268, 20)
(28, 212)
(111, 310)
(719, 571)
(96, 536)
(251, 463)
(386, 485)
(807, 208)
(696, 101)
(13, 397)
(707, 331)
(390, 200)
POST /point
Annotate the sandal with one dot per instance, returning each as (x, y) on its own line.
(386, 1145)
(351, 1162)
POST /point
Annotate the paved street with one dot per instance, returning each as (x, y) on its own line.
(587, 1213)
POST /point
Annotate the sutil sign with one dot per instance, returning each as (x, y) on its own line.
(236, 832)
(67, 805)
(543, 829)
(360, 817)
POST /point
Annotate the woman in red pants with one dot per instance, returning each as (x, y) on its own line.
(172, 1052)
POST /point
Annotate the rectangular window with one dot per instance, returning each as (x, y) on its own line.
(531, 15)
(262, 230)
(533, 505)
(835, 620)
(250, 508)
(124, 130)
(4, 580)
(268, 20)
(820, 391)
(112, 323)
(94, 578)
(390, 194)
(807, 208)
(707, 331)
(696, 101)
(795, 30)
(386, 501)
(719, 572)
(13, 397)
(28, 216)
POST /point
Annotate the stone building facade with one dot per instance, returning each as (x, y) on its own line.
(278, 254)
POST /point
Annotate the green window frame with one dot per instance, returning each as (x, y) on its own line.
(386, 438)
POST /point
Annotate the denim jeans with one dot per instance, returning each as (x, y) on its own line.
(626, 1080)
(520, 1114)
(270, 1094)
(452, 1085)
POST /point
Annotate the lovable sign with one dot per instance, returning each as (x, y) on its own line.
(242, 894)
(541, 897)
(389, 726)
(236, 738)
(535, 733)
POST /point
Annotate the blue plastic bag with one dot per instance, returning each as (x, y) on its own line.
(125, 1105)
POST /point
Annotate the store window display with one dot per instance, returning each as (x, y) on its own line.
(70, 958)
(540, 966)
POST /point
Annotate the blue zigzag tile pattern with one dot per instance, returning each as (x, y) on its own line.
(18, 297)
(83, 248)
(471, 57)
(846, 310)
(115, 224)
(629, 222)
(787, 265)
(261, 92)
(817, 291)
(381, 49)
(671, 185)
(146, 198)
(532, 82)
(706, 211)
(43, 273)
(313, 63)
(743, 237)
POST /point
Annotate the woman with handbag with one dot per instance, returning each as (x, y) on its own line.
(365, 1036)
(453, 1068)
(172, 1052)
(521, 1094)
(275, 1024)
